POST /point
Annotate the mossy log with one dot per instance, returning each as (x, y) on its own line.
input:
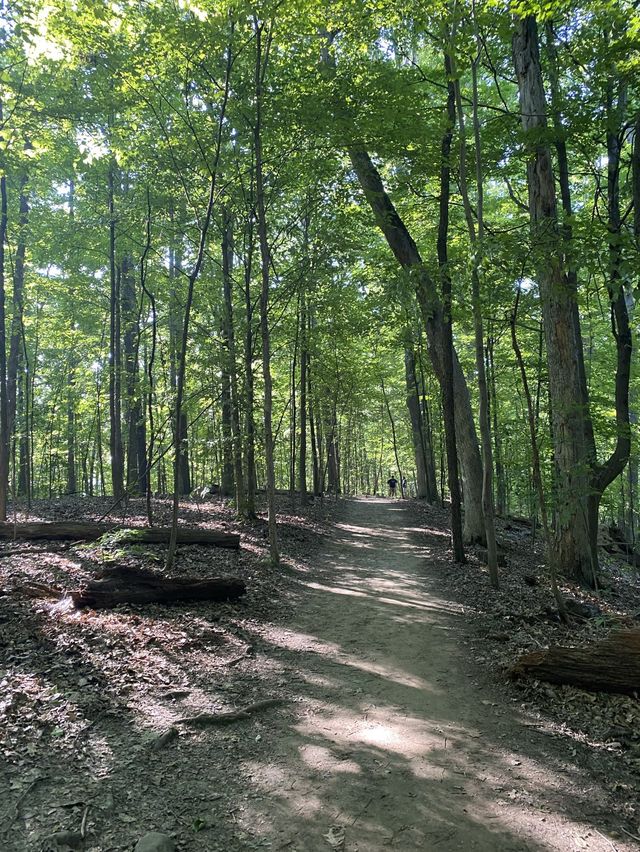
(123, 584)
(611, 665)
(91, 530)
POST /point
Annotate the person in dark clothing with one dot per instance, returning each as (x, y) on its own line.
(393, 484)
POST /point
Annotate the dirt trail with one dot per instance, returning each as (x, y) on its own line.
(394, 744)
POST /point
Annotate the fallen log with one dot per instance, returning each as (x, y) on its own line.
(123, 584)
(611, 665)
(91, 530)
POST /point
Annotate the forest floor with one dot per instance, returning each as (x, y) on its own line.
(395, 728)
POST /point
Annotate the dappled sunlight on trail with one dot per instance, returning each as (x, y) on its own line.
(390, 742)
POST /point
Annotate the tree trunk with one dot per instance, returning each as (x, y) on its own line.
(115, 358)
(262, 58)
(122, 584)
(91, 531)
(302, 463)
(417, 427)
(227, 480)
(448, 404)
(230, 352)
(130, 346)
(610, 665)
(476, 240)
(570, 419)
(16, 343)
(605, 473)
(406, 252)
(4, 402)
(181, 432)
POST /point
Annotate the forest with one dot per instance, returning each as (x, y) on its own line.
(258, 260)
(234, 249)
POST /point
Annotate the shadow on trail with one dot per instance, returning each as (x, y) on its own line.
(391, 741)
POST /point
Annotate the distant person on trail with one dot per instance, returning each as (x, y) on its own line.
(404, 484)
(393, 484)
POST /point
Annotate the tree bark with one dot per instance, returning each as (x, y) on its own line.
(91, 530)
(448, 403)
(115, 354)
(4, 400)
(133, 409)
(230, 352)
(262, 58)
(179, 478)
(122, 584)
(611, 665)
(16, 343)
(476, 239)
(302, 463)
(570, 419)
(249, 394)
(423, 485)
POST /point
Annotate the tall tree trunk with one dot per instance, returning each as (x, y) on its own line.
(406, 252)
(4, 406)
(501, 492)
(16, 346)
(249, 394)
(181, 437)
(570, 417)
(302, 463)
(133, 409)
(537, 469)
(331, 438)
(230, 346)
(227, 486)
(604, 474)
(448, 403)
(115, 356)
(423, 485)
(72, 481)
(476, 240)
(204, 226)
(16, 343)
(145, 454)
(315, 441)
(262, 58)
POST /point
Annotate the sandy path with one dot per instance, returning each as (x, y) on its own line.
(393, 743)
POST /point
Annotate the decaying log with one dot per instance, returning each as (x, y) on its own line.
(123, 584)
(90, 530)
(611, 665)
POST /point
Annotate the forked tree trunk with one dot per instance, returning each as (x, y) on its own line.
(570, 419)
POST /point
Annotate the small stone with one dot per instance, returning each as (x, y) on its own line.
(153, 841)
